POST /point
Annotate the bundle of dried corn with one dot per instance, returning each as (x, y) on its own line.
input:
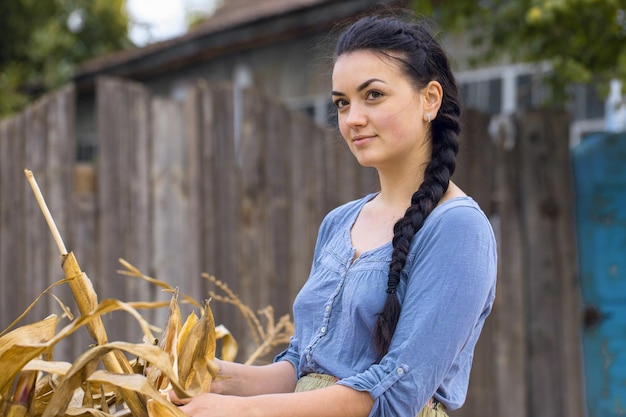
(32, 384)
(102, 381)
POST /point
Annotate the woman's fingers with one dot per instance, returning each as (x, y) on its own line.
(175, 400)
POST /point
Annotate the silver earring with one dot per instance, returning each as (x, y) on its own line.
(428, 117)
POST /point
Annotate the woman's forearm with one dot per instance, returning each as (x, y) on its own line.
(245, 380)
(334, 401)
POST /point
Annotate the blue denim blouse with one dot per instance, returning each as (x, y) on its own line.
(446, 294)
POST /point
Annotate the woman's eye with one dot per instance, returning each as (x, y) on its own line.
(340, 103)
(373, 95)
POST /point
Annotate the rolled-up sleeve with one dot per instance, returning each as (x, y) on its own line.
(290, 354)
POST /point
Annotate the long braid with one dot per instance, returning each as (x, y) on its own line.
(423, 60)
(423, 202)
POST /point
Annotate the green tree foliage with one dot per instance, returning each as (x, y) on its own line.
(583, 40)
(42, 42)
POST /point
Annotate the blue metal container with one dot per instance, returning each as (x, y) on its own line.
(599, 164)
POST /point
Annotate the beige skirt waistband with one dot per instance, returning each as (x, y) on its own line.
(312, 382)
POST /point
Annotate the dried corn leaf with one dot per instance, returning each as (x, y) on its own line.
(198, 344)
(25, 343)
(49, 367)
(13, 357)
(203, 377)
(105, 307)
(169, 344)
(23, 350)
(38, 332)
(85, 365)
(139, 384)
(13, 360)
(229, 344)
(157, 409)
(136, 273)
(190, 322)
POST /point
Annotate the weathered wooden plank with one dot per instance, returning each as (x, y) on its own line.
(539, 186)
(60, 158)
(346, 176)
(4, 235)
(561, 214)
(133, 206)
(509, 313)
(38, 242)
(171, 202)
(334, 158)
(306, 203)
(255, 263)
(122, 118)
(19, 293)
(136, 187)
(192, 184)
(227, 210)
(475, 161)
(84, 235)
(109, 104)
(277, 211)
(135, 198)
(207, 184)
(11, 220)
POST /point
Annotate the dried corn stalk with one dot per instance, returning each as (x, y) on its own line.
(32, 384)
(35, 387)
(266, 338)
(67, 391)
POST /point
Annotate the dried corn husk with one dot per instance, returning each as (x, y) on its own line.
(169, 345)
(229, 344)
(197, 348)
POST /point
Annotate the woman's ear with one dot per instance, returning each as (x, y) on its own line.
(432, 94)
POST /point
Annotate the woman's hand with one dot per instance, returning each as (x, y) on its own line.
(212, 405)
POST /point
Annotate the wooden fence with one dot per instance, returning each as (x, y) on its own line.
(177, 190)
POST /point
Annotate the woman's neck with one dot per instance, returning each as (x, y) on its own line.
(398, 186)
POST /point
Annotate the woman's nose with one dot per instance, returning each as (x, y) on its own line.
(356, 116)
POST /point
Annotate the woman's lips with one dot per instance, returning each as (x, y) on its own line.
(362, 139)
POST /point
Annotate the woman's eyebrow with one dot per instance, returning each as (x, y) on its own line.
(360, 88)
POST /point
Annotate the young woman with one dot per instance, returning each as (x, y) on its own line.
(402, 279)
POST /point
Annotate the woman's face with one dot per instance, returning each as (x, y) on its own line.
(380, 112)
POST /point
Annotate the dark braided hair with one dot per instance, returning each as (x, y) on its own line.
(422, 60)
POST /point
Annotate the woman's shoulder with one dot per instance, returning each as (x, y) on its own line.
(459, 213)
